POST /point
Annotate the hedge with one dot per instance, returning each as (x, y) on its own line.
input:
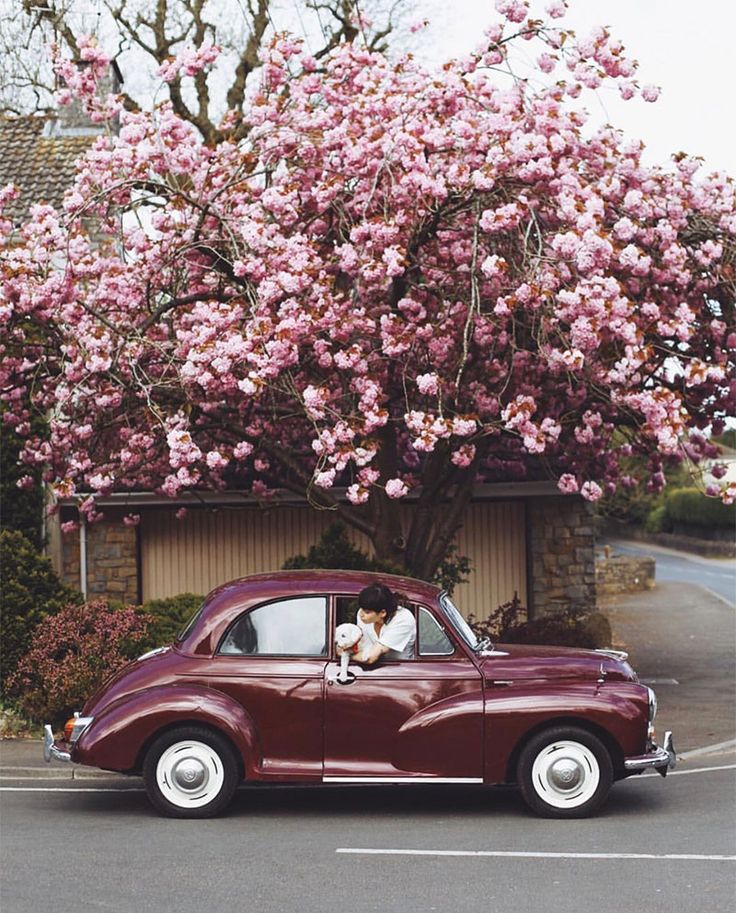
(31, 591)
(692, 507)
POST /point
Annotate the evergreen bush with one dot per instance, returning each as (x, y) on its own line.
(168, 617)
(30, 591)
(335, 550)
(691, 507)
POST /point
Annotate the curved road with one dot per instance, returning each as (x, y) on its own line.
(715, 574)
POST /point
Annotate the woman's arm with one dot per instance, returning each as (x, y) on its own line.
(371, 655)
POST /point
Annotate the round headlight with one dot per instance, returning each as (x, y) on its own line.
(652, 704)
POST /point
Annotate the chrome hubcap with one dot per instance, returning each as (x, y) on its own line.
(189, 773)
(565, 774)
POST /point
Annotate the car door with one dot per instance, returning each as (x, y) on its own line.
(406, 719)
(272, 661)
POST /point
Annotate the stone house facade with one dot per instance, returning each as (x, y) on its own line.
(538, 546)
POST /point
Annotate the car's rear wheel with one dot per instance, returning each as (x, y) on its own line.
(565, 772)
(190, 772)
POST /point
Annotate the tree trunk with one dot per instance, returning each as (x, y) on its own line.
(388, 537)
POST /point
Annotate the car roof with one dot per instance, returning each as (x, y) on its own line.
(326, 580)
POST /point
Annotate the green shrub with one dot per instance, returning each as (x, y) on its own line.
(691, 507)
(22, 508)
(569, 628)
(30, 592)
(168, 616)
(335, 550)
(72, 654)
(657, 520)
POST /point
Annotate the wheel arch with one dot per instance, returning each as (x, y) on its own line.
(182, 724)
(609, 741)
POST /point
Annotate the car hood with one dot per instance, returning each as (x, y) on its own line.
(513, 662)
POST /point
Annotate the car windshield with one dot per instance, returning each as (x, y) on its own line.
(458, 622)
(184, 633)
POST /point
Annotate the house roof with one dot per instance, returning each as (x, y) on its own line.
(40, 164)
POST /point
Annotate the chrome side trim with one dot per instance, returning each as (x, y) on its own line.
(402, 779)
(50, 750)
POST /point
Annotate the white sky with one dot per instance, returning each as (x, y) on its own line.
(687, 48)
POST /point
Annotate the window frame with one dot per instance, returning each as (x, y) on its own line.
(325, 655)
(443, 629)
(414, 607)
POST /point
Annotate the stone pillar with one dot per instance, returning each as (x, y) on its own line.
(112, 560)
(561, 548)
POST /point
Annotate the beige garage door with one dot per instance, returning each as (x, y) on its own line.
(210, 547)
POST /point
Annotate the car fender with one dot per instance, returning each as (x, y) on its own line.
(120, 734)
(617, 711)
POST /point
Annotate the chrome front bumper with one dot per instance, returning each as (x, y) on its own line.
(661, 758)
(49, 747)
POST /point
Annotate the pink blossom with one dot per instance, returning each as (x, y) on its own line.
(513, 10)
(242, 450)
(189, 62)
(650, 93)
(556, 9)
(356, 494)
(395, 488)
(325, 479)
(567, 483)
(591, 491)
(428, 384)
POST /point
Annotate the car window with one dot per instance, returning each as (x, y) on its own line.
(432, 639)
(346, 610)
(290, 627)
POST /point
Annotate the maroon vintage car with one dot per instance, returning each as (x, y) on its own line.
(251, 690)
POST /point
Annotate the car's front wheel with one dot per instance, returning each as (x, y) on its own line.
(565, 772)
(190, 772)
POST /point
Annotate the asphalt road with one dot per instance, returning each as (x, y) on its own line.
(300, 850)
(715, 574)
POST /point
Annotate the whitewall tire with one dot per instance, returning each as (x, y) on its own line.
(565, 772)
(190, 772)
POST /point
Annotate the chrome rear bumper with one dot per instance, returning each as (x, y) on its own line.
(661, 758)
(49, 747)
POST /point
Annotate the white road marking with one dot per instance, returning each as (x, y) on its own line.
(511, 854)
(273, 786)
(708, 749)
(695, 770)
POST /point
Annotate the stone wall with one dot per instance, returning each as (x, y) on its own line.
(112, 567)
(623, 574)
(561, 548)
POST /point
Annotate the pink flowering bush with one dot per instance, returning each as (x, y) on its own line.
(72, 654)
(401, 283)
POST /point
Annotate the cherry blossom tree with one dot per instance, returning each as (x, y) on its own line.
(400, 284)
(146, 35)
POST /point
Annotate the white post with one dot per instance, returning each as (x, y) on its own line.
(83, 555)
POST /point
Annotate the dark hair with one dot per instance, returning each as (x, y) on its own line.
(376, 598)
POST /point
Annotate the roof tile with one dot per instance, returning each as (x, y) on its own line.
(41, 166)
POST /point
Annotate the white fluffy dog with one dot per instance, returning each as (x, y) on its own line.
(350, 638)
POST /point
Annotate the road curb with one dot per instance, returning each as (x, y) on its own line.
(55, 773)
